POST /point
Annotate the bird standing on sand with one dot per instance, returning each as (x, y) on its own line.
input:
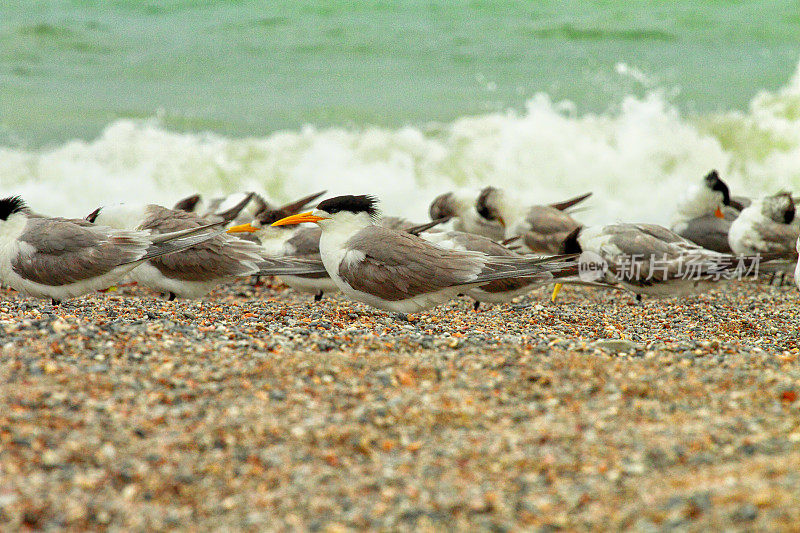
(542, 228)
(190, 273)
(61, 258)
(398, 271)
(651, 260)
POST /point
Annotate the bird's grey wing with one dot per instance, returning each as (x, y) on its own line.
(546, 219)
(777, 238)
(548, 228)
(221, 256)
(478, 243)
(649, 252)
(58, 252)
(397, 266)
(161, 220)
(709, 232)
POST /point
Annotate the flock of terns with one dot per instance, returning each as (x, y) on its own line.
(497, 249)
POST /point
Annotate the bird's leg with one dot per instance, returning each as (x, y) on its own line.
(476, 305)
(55, 302)
(255, 281)
(171, 296)
(638, 298)
(318, 296)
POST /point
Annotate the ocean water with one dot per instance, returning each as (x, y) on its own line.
(102, 102)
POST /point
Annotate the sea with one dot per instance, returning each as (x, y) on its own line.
(103, 102)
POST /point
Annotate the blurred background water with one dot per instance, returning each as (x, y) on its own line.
(108, 101)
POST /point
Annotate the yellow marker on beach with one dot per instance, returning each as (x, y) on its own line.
(556, 290)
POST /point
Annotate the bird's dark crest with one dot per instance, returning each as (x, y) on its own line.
(715, 183)
(362, 203)
(11, 205)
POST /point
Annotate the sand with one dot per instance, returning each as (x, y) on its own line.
(259, 409)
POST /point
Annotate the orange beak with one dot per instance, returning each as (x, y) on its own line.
(718, 213)
(243, 228)
(298, 219)
(501, 221)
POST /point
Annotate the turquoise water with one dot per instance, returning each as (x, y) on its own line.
(251, 68)
(103, 102)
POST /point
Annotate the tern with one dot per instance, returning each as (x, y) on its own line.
(543, 228)
(397, 271)
(191, 273)
(705, 214)
(651, 260)
(60, 258)
(766, 227)
(460, 206)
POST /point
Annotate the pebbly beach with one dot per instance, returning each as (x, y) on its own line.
(255, 409)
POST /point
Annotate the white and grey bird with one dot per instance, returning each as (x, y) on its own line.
(398, 271)
(60, 258)
(651, 260)
(705, 213)
(190, 273)
(542, 227)
(766, 227)
(459, 206)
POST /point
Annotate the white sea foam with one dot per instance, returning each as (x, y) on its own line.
(636, 160)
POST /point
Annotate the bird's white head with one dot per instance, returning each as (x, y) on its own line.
(709, 197)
